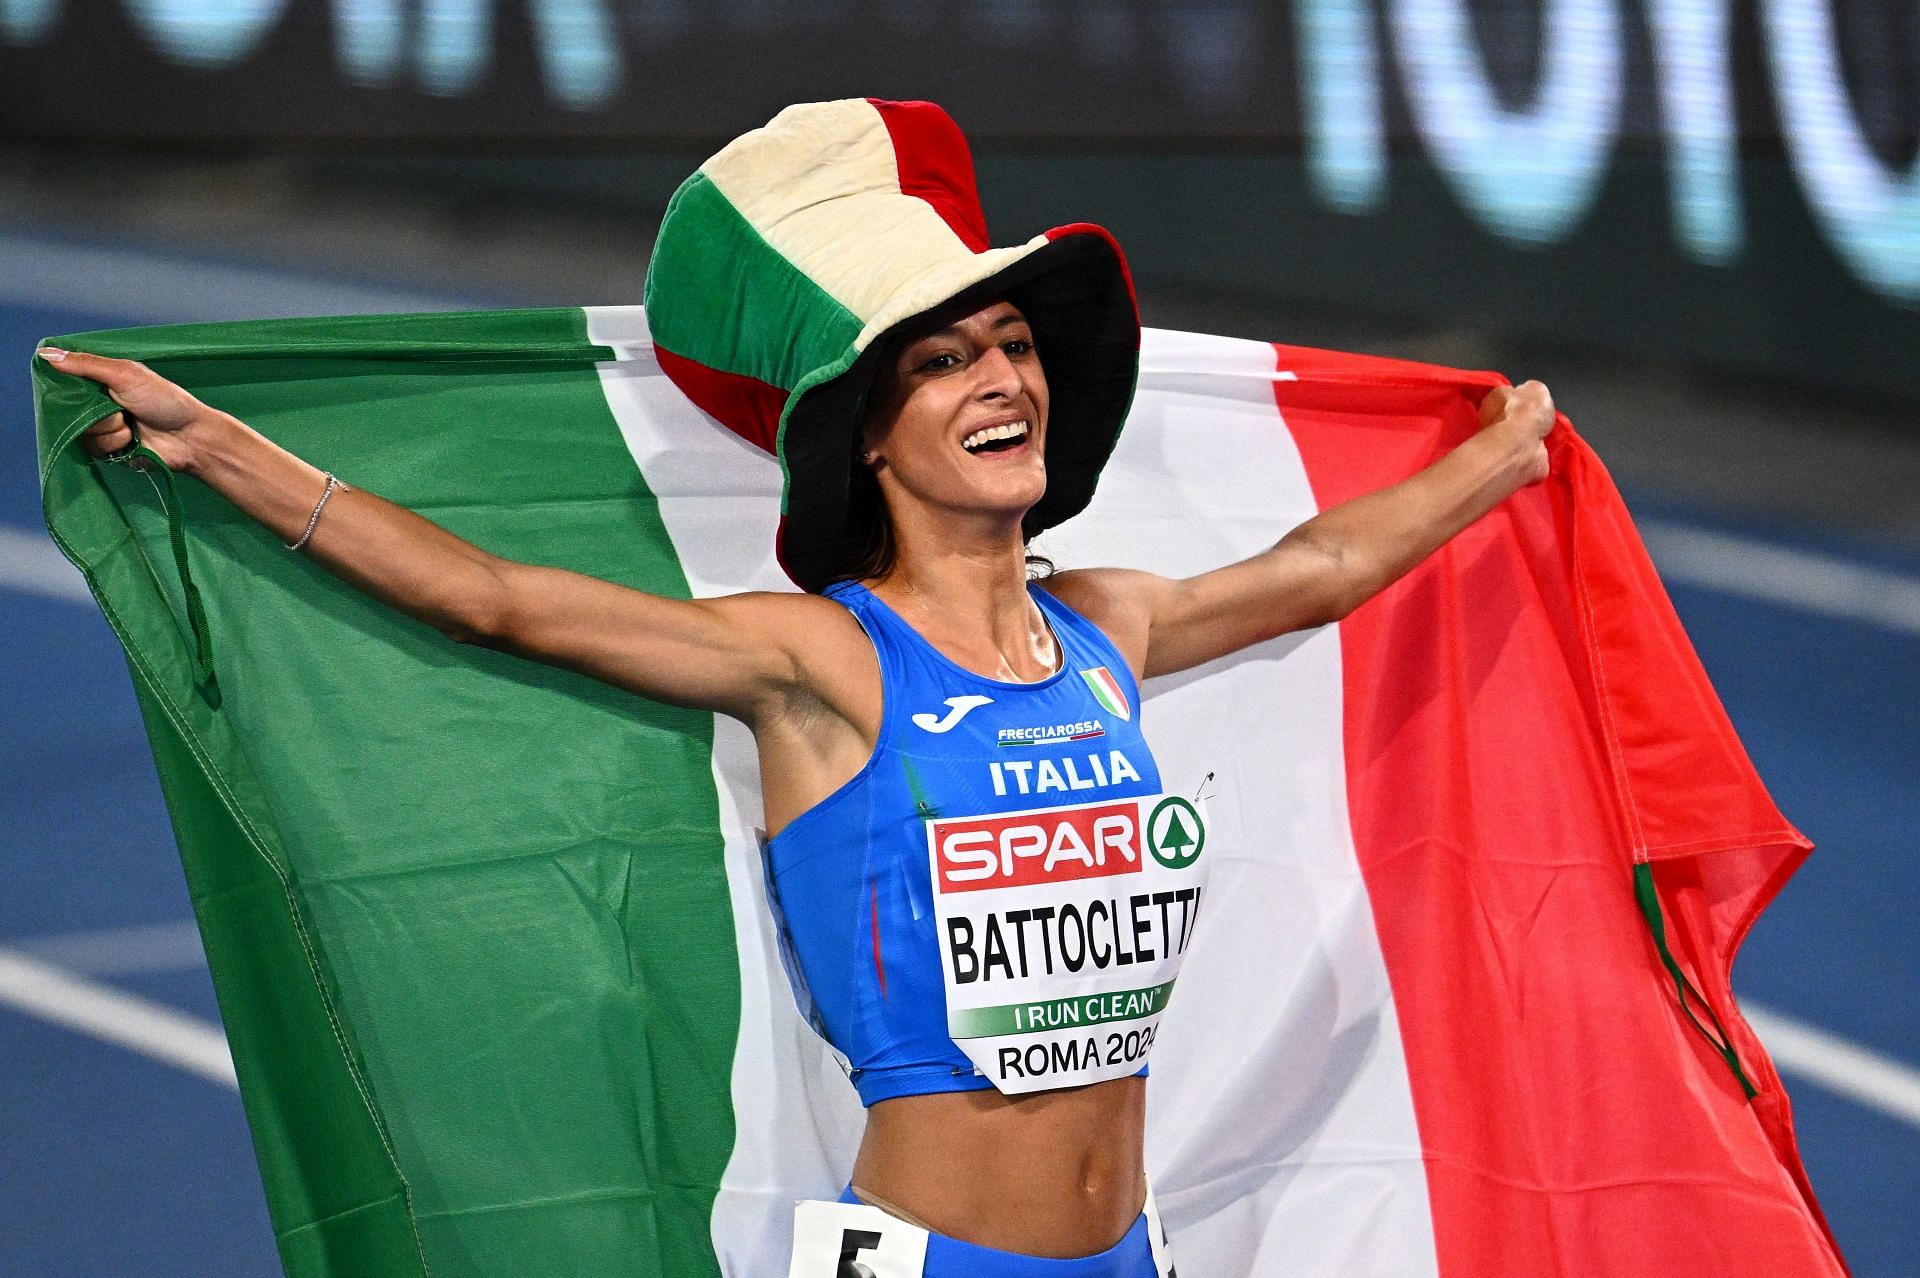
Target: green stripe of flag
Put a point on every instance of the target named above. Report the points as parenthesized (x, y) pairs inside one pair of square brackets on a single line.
[(467, 915)]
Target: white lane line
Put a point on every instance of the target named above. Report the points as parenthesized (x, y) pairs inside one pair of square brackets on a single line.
[(151, 947), (30, 983), (32, 565), (75, 1003), (1845, 1069), (141, 288), (1781, 575)]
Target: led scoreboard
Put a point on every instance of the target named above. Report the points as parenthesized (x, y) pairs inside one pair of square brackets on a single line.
[(1733, 182)]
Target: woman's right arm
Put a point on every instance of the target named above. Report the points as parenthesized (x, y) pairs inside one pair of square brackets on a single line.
[(737, 654)]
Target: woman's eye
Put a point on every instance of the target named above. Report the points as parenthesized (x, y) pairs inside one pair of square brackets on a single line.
[(933, 363), (1018, 346)]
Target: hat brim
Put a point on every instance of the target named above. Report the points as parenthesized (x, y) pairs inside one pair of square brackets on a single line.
[(1078, 298)]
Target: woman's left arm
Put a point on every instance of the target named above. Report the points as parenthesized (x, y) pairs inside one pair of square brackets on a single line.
[(1331, 564)]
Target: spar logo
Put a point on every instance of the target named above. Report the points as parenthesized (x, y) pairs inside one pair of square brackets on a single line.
[(1054, 845), (1175, 833)]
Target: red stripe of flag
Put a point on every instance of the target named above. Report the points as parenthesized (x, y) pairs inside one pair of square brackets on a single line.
[(1572, 1120)]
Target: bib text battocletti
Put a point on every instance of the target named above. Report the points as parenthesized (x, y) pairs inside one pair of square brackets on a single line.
[(1003, 895)]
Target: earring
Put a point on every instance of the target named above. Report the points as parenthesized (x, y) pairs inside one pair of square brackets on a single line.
[(867, 457)]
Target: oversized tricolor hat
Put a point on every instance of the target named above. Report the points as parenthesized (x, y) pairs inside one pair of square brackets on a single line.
[(785, 261)]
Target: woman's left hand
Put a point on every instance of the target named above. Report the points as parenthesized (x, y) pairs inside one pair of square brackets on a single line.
[(1326, 567), (1520, 416)]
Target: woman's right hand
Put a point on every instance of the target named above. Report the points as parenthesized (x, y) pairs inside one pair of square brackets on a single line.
[(743, 655), (164, 413)]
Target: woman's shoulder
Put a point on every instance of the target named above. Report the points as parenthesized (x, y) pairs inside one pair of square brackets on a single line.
[(780, 607), (817, 629), (831, 660), (1113, 599), (788, 613), (1104, 596)]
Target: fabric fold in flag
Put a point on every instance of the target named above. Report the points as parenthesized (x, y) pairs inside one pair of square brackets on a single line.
[(491, 939)]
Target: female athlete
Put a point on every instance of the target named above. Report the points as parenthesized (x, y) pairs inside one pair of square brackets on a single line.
[(877, 697)]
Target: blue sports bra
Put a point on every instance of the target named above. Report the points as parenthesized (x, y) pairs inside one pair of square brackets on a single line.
[(1002, 896)]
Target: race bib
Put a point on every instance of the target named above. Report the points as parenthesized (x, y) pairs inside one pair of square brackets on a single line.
[(1061, 932), (854, 1240)]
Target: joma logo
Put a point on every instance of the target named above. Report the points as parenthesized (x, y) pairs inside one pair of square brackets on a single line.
[(957, 708)]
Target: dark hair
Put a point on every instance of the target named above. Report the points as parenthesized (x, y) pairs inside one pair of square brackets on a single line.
[(870, 546)]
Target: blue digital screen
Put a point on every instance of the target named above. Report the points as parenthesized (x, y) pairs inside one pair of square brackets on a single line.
[(1525, 110)]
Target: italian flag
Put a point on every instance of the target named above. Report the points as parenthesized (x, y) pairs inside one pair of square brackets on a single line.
[(491, 942)]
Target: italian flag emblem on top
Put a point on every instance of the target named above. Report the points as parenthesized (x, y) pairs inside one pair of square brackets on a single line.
[(1106, 690)]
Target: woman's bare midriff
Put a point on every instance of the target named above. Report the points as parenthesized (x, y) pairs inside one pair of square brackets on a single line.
[(1056, 1174)]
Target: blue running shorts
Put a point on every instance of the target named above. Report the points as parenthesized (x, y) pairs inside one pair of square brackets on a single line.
[(851, 1239)]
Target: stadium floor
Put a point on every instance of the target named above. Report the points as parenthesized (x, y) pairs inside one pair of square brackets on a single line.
[(120, 1162)]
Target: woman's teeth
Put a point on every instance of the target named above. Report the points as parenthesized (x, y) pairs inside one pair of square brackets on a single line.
[(980, 438)]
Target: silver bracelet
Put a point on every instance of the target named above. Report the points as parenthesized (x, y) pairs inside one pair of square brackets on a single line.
[(332, 484)]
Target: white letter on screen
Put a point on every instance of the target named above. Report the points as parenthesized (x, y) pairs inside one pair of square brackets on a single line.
[(1872, 216), (1529, 174)]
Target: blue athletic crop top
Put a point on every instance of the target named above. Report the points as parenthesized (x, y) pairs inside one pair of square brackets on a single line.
[(1002, 896)]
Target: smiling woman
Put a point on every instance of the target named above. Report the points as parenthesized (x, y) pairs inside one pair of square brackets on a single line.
[(788, 262), (924, 384), (939, 403), (949, 884)]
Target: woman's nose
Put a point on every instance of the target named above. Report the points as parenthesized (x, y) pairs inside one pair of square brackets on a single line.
[(995, 374)]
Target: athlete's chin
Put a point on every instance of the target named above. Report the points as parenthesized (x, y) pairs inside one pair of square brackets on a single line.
[(1011, 511), (1005, 497), (1015, 494)]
